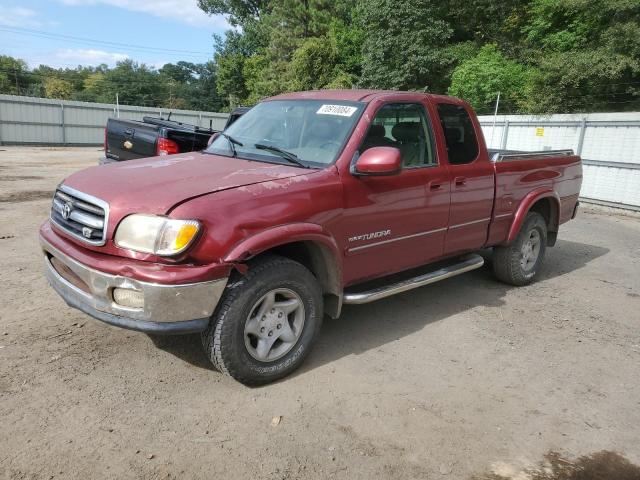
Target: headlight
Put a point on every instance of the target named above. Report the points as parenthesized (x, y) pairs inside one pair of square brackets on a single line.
[(158, 235)]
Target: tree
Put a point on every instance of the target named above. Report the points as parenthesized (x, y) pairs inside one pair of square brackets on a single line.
[(400, 54), (479, 79), (239, 11), (591, 59), (313, 64), (57, 88), (135, 84), (14, 76)]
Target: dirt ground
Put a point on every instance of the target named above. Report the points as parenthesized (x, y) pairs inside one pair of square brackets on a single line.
[(456, 380)]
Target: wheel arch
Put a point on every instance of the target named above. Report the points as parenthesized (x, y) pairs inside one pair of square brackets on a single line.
[(546, 203), (307, 244)]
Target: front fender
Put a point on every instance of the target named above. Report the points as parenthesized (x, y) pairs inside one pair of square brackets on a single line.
[(525, 205), (282, 235), (324, 255)]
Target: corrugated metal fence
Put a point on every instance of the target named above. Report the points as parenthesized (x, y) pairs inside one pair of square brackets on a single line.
[(608, 142), (28, 120)]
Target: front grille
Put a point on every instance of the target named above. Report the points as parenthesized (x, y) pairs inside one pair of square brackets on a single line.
[(80, 215)]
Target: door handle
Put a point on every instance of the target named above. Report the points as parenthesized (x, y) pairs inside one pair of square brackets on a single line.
[(436, 185), (460, 181)]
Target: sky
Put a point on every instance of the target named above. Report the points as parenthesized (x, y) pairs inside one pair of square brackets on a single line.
[(154, 32)]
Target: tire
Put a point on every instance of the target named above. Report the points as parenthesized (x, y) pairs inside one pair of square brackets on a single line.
[(274, 290), (519, 263)]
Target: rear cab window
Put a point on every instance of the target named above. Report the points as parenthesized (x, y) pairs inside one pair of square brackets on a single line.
[(459, 133)]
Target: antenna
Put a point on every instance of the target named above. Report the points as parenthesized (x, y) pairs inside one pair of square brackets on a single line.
[(169, 117)]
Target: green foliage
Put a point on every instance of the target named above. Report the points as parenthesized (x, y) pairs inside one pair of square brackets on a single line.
[(591, 58), (542, 55), (399, 54), (239, 11), (479, 79), (57, 88), (181, 85), (14, 76), (313, 64)]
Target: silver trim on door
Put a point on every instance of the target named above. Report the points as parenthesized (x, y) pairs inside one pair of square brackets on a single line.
[(460, 225), (407, 237)]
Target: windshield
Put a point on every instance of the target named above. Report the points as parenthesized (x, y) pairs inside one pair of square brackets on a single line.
[(314, 131)]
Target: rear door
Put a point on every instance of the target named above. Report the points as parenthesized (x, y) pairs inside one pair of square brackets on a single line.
[(471, 178)]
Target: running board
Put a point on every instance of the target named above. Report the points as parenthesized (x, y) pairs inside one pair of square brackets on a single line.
[(466, 264)]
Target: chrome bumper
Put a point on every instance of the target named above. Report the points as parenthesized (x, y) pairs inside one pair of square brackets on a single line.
[(168, 309)]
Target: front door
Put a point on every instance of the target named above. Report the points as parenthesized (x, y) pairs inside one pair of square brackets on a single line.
[(471, 177), (397, 222)]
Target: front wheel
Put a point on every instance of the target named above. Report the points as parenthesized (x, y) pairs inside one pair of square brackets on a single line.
[(519, 263), (266, 322)]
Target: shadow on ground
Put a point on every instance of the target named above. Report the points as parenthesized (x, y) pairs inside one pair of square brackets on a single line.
[(365, 327), (603, 465)]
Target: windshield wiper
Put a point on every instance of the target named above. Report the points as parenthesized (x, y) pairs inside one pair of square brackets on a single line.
[(291, 157), (232, 143)]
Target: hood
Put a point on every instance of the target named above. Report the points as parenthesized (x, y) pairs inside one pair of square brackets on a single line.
[(154, 185)]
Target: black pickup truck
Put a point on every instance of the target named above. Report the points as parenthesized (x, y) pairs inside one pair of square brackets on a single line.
[(153, 136)]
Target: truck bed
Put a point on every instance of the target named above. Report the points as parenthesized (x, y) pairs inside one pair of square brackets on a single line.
[(499, 155), (520, 175), (130, 139)]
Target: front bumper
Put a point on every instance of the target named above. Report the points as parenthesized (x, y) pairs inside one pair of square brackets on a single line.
[(168, 309)]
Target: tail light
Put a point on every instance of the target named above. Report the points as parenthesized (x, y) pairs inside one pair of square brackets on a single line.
[(166, 147)]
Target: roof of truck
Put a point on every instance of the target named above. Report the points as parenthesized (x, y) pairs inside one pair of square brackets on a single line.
[(348, 95)]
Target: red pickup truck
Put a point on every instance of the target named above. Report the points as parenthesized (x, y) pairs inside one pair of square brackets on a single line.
[(309, 201)]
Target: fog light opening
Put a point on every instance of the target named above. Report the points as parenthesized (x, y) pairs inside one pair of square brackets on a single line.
[(129, 298)]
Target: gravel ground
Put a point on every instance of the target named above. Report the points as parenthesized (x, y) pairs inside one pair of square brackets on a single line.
[(450, 381)]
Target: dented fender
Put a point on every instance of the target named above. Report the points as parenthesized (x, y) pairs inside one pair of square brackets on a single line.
[(282, 235)]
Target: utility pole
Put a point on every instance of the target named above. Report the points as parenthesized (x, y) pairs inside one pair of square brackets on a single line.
[(495, 118)]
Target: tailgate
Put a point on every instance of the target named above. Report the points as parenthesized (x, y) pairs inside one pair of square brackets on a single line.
[(128, 139)]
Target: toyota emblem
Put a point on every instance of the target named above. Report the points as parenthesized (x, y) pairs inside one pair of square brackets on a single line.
[(66, 210)]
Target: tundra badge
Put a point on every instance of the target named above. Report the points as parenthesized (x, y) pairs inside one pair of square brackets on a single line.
[(371, 236)]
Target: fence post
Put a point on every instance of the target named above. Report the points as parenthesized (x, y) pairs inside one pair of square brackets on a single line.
[(0, 122), (62, 124), (583, 128), (505, 135)]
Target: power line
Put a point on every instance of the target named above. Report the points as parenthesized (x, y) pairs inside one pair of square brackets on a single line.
[(83, 40), (61, 74)]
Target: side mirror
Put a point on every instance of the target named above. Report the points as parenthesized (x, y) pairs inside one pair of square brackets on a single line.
[(378, 161), (212, 138)]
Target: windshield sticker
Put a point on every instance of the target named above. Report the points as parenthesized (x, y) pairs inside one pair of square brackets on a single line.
[(340, 110)]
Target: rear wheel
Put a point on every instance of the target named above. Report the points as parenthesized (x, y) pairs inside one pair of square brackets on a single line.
[(266, 322), (519, 263)]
